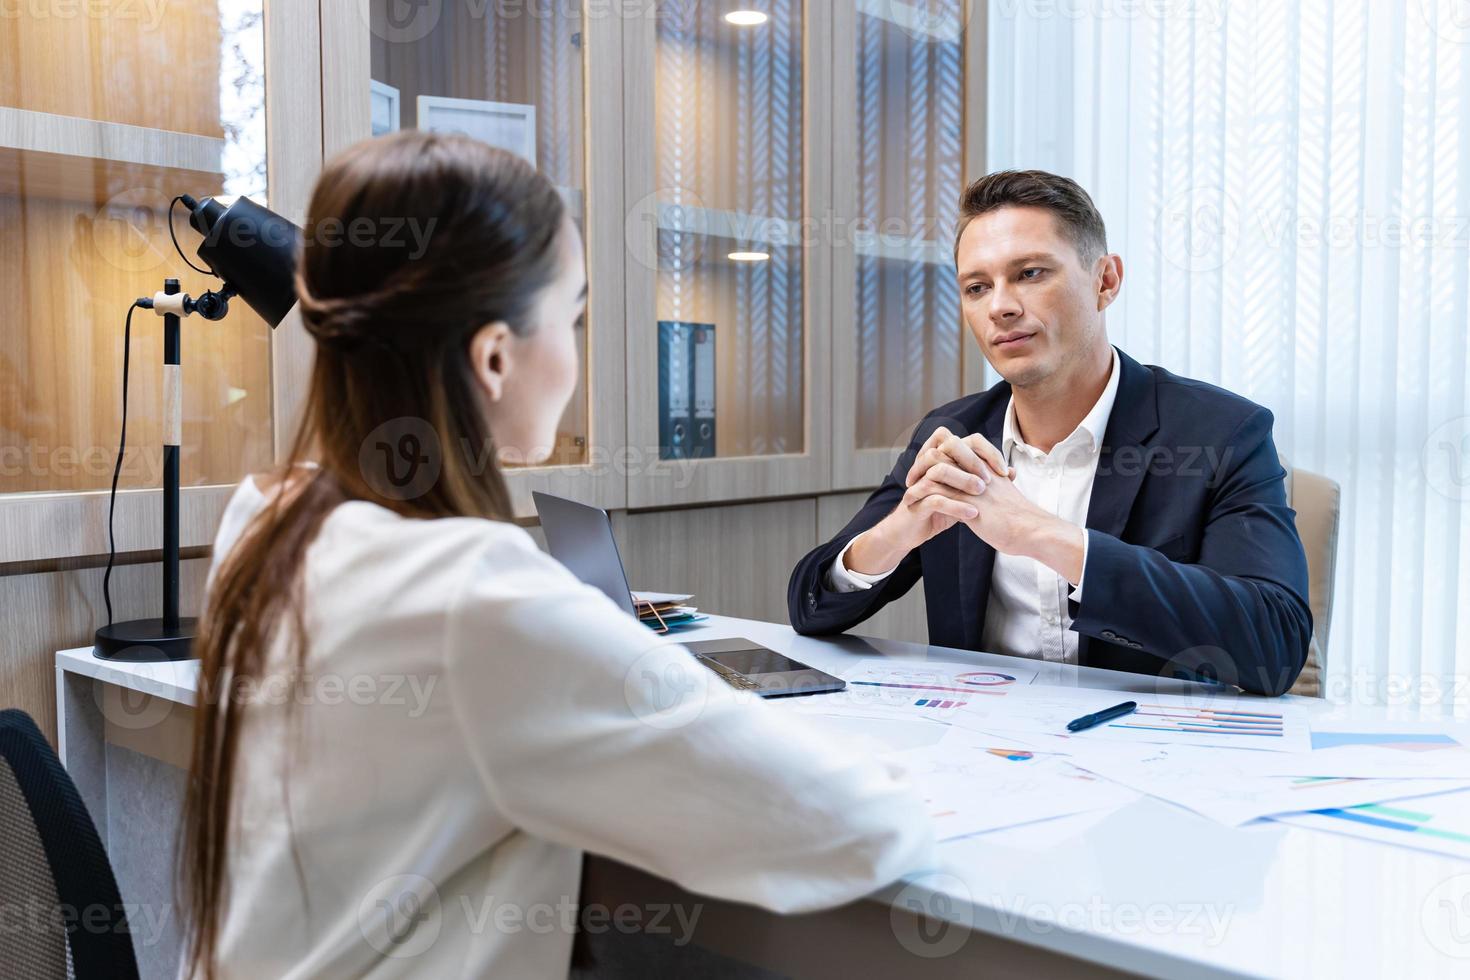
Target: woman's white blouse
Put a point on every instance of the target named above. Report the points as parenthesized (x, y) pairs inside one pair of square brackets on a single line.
[(470, 720)]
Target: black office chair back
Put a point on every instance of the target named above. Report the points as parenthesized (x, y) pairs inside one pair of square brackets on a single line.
[(64, 917)]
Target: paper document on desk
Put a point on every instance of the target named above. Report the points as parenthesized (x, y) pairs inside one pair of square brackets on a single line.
[(1389, 749), (971, 786), (1234, 786), (936, 690), (1214, 720), (662, 598), (1438, 823), (878, 736)]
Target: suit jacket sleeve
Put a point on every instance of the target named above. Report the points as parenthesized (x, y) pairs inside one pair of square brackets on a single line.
[(1239, 614), (816, 609)]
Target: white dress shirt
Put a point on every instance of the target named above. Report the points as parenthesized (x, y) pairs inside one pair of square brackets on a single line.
[(472, 718), (1027, 611)]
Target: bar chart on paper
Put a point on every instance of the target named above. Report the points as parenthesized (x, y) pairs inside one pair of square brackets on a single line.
[(1395, 741), (1439, 823), (939, 704), (1172, 720), (1228, 724), (1204, 721), (1230, 786)]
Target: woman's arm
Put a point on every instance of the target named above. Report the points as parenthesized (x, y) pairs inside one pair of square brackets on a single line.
[(592, 732)]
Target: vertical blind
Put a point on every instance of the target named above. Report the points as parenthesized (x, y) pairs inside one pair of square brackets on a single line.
[(1289, 187)]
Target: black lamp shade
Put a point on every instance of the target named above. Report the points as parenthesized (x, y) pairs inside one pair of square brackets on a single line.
[(253, 250)]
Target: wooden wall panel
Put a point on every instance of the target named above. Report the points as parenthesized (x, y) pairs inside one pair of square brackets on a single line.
[(736, 560), (50, 611), (125, 63), (346, 60), (294, 159)]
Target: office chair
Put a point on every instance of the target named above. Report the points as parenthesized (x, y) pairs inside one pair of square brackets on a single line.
[(1317, 501), (65, 916)]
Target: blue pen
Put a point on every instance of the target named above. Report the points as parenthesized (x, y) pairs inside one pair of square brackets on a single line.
[(1097, 718)]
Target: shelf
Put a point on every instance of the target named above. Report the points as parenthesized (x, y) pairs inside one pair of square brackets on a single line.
[(69, 158), (752, 230), (929, 253)]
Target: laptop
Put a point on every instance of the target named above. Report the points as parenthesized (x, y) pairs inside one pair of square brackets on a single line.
[(581, 538)]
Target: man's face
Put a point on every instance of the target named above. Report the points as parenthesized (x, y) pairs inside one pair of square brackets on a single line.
[(1031, 303)]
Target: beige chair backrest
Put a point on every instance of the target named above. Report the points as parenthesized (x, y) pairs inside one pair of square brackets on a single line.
[(1318, 504)]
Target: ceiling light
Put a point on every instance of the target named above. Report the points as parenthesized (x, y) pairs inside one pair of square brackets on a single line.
[(746, 18)]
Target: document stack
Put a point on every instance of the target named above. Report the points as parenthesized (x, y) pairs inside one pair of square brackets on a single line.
[(665, 612)]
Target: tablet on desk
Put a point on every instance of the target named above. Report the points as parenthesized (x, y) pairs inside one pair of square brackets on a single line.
[(751, 667)]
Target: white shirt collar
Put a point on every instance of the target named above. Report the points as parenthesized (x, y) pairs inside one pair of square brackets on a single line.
[(1092, 427)]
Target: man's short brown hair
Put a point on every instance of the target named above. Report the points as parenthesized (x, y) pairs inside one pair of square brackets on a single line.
[(1062, 196)]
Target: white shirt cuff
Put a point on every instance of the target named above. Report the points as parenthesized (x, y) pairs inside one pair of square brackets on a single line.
[(1076, 594), (840, 578)]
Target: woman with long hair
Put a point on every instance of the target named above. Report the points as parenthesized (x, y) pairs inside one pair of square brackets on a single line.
[(411, 719)]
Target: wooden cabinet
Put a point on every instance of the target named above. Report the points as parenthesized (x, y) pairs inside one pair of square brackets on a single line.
[(103, 120), (768, 208), (908, 134), (728, 308), (547, 73)]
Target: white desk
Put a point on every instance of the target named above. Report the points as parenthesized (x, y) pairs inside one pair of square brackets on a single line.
[(1148, 889)]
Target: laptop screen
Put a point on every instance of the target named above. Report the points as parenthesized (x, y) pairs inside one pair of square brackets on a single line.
[(581, 538)]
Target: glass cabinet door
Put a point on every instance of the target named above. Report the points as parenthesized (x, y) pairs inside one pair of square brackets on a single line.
[(515, 81), (538, 78), (901, 165), (721, 274), (103, 121)]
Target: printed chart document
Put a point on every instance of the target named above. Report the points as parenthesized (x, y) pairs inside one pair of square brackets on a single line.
[(1227, 785), (934, 690), (1369, 749), (1214, 720), (1358, 750), (1429, 823), (972, 784)]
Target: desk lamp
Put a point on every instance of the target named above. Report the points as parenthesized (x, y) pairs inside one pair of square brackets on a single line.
[(253, 252)]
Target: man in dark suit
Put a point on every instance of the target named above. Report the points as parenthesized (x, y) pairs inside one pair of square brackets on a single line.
[(1087, 509)]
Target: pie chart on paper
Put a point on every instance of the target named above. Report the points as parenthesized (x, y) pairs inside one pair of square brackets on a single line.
[(984, 678)]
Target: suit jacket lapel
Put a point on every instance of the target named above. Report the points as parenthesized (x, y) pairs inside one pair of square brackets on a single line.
[(1123, 461), (976, 558), (1125, 452)]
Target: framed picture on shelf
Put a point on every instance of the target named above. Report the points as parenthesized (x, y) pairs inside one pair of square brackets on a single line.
[(508, 125), (386, 108)]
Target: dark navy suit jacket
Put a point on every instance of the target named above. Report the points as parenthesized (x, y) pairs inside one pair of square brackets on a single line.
[(1194, 566)]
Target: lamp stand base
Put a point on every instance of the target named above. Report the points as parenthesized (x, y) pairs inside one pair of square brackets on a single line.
[(145, 641)]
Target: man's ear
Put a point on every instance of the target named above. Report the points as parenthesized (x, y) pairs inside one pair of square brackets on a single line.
[(490, 358), (1109, 280)]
